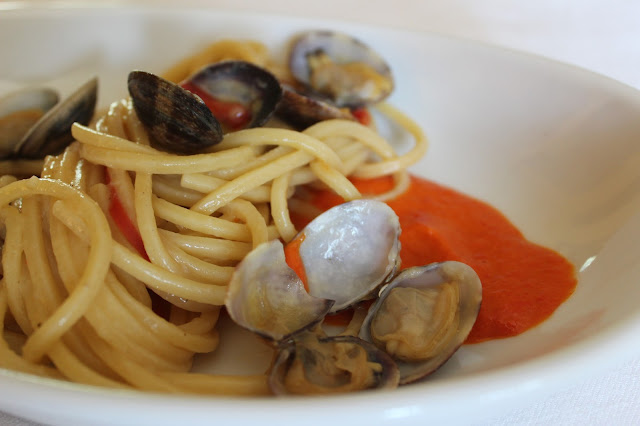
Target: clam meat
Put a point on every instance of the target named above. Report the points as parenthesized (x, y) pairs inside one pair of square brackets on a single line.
[(424, 315), (316, 364), (340, 68)]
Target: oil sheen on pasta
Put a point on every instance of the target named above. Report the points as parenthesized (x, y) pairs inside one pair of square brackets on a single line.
[(522, 282)]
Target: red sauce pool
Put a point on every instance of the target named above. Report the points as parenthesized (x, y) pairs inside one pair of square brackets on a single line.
[(522, 283)]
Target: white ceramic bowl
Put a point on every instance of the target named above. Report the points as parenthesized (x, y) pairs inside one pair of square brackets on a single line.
[(554, 147)]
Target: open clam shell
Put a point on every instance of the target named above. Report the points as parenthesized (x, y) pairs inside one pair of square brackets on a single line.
[(51, 134), (341, 68), (423, 316), (19, 112), (320, 365), (302, 111), (350, 250), (40, 98), (266, 296), (239, 94)]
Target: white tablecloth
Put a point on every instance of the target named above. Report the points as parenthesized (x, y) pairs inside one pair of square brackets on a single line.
[(601, 35)]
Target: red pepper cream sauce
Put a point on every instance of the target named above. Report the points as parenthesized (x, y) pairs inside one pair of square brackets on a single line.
[(522, 282)]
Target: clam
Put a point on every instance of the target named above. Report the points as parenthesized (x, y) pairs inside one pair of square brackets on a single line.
[(239, 94), (346, 253), (38, 98), (316, 364), (340, 68), (266, 296), (349, 251), (194, 115), (176, 120), (20, 111), (302, 111), (423, 316), (420, 318), (50, 132)]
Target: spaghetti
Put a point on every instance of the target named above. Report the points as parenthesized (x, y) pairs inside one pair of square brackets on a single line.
[(116, 259)]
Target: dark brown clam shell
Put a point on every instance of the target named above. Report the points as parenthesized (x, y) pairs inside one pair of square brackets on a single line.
[(177, 121), (240, 82), (301, 111)]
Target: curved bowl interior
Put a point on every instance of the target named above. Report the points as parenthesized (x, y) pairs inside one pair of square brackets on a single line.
[(555, 148)]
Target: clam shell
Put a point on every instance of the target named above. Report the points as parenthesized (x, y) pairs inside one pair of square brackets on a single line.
[(41, 98), (266, 296), (341, 49), (19, 112), (177, 121), (350, 250), (302, 111), (52, 133), (249, 85), (386, 377), (426, 277)]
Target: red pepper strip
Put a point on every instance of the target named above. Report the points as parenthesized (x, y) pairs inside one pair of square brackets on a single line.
[(362, 115), (232, 115), (122, 220), (292, 256)]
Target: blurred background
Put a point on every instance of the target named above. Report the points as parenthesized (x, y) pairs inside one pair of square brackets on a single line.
[(601, 35)]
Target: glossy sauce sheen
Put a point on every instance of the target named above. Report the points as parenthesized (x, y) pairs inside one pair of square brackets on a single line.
[(522, 283)]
